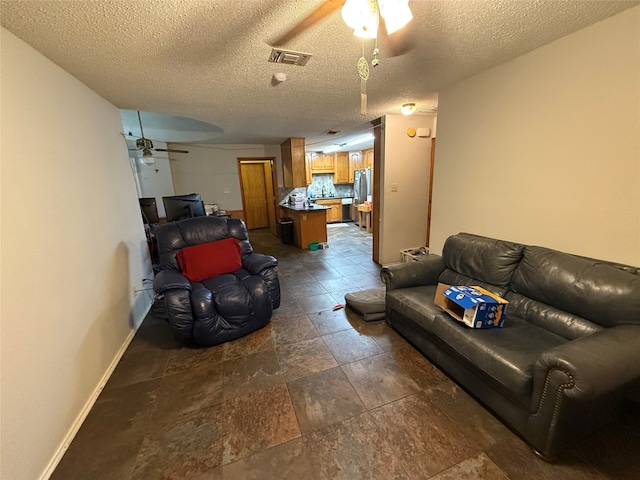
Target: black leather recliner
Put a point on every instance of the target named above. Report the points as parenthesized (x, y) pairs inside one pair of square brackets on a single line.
[(222, 308)]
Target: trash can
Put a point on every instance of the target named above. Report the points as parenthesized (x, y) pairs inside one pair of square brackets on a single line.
[(286, 230)]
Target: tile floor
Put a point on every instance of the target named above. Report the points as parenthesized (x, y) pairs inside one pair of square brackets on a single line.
[(316, 394)]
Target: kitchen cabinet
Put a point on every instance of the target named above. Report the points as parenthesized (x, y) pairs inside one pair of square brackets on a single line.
[(293, 166), (342, 168), (308, 225), (307, 168), (367, 158), (322, 162), (334, 214), (355, 163)]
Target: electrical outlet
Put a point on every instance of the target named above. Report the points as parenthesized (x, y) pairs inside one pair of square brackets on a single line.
[(135, 291), (394, 187), (226, 190)]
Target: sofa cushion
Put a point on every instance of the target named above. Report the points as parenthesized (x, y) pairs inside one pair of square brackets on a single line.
[(415, 303), (506, 355), (591, 289), (553, 319), (450, 277), (485, 259), (210, 259)]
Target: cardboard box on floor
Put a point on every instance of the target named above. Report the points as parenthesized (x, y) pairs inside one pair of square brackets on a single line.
[(474, 306)]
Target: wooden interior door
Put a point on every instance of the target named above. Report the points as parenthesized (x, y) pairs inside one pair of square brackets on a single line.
[(254, 193)]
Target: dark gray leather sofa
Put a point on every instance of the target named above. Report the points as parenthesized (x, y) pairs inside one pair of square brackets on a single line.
[(569, 350)]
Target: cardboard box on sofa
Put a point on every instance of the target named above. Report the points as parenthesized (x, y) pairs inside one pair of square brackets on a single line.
[(474, 306)]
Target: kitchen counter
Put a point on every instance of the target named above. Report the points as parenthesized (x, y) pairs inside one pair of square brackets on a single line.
[(305, 209), (309, 224)]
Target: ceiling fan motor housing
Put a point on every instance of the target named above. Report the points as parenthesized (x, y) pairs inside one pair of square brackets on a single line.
[(144, 143)]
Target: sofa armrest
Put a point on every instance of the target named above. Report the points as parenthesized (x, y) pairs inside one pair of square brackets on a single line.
[(413, 274), (592, 366), (170, 280), (256, 262)]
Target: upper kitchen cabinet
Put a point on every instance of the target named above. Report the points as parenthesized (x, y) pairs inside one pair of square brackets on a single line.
[(355, 163), (367, 158), (307, 168), (322, 162), (342, 168), (293, 166)]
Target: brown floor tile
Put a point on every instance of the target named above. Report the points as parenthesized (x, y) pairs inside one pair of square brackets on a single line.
[(306, 289), (317, 303), (182, 447), (517, 460), (189, 390), (352, 449), (479, 467), (422, 437), (257, 421), (286, 461), (115, 428), (421, 370), (330, 321), (323, 399), (139, 367), (250, 373), (304, 358), (348, 346), (379, 380), (186, 358), (292, 329), (255, 342), (338, 283), (382, 334), (476, 422)]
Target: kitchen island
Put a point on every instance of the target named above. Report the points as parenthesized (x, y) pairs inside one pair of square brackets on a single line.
[(309, 223)]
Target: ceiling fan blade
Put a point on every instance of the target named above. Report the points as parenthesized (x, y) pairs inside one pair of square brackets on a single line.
[(170, 150), (399, 42), (326, 8)]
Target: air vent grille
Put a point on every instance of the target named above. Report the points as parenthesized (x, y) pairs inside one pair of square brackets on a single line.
[(289, 57)]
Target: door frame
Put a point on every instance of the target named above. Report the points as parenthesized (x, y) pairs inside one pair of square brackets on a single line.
[(269, 162)]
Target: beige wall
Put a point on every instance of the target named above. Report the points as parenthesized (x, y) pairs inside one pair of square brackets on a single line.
[(545, 149), (208, 170), (73, 247), (405, 161)]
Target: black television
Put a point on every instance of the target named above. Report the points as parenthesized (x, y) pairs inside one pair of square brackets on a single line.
[(149, 210), (178, 207)]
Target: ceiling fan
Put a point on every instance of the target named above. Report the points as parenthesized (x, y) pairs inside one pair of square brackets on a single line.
[(364, 17), (144, 145)]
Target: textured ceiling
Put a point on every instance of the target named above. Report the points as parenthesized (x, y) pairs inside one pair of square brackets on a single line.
[(207, 59)]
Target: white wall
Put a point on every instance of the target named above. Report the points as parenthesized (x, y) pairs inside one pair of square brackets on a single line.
[(545, 149), (73, 247), (209, 170), (405, 162)]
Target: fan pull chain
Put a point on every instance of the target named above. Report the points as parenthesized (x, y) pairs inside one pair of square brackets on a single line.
[(363, 73)]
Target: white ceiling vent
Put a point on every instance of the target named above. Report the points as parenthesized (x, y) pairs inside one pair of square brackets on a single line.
[(289, 57)]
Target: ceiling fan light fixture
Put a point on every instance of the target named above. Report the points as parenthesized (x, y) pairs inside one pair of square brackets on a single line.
[(396, 14), (408, 109), (146, 157), (362, 17)]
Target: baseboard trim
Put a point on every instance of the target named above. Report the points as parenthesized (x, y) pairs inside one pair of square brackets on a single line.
[(75, 427)]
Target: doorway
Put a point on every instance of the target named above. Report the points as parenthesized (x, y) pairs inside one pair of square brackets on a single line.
[(258, 187)]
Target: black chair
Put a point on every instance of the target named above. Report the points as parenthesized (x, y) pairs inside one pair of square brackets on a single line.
[(221, 308)]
